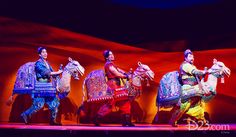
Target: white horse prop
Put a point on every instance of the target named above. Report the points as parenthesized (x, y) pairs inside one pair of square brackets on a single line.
[(96, 91), (170, 91), (26, 82)]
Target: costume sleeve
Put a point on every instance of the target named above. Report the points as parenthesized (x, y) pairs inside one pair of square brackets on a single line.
[(120, 70), (51, 69), (191, 69), (42, 70), (198, 72), (116, 72), (188, 68)]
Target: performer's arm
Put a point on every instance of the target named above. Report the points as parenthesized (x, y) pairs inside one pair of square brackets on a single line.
[(197, 72), (56, 72), (121, 71), (40, 68), (191, 69), (117, 72)]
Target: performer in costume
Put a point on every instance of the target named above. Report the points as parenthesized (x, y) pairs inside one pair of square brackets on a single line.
[(194, 105), (43, 75), (114, 75)]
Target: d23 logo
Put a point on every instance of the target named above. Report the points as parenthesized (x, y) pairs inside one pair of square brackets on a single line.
[(204, 125), (197, 125)]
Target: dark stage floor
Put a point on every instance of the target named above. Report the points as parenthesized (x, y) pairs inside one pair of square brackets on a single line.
[(147, 130)]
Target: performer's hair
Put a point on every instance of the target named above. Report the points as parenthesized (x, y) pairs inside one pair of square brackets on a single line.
[(106, 54), (186, 52), (40, 49)]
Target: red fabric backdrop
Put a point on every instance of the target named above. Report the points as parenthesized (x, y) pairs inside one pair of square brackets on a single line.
[(19, 41)]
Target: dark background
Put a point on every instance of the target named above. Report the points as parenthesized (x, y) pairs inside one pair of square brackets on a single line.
[(160, 25), (140, 23)]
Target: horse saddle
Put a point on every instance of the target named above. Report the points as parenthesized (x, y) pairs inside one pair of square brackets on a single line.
[(121, 93), (44, 89)]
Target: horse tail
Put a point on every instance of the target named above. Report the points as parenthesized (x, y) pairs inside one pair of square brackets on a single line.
[(24, 83), (83, 90), (158, 100), (10, 100), (169, 90)]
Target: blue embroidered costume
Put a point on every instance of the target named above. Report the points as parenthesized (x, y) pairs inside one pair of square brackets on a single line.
[(45, 93)]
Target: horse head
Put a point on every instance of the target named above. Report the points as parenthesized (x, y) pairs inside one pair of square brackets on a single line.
[(144, 72), (74, 68), (219, 69)]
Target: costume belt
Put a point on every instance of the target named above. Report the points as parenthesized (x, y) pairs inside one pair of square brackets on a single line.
[(43, 80), (192, 83)]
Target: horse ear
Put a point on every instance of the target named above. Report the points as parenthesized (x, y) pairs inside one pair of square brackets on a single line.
[(70, 59), (227, 71), (139, 63), (214, 61)]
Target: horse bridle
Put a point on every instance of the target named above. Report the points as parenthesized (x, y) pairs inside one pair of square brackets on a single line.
[(71, 73)]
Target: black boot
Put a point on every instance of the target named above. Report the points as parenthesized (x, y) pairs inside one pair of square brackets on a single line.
[(97, 120), (173, 123), (126, 120), (54, 123), (176, 115), (24, 117), (174, 119)]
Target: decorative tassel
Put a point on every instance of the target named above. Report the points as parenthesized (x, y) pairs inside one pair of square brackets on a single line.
[(148, 84), (222, 80), (10, 101)]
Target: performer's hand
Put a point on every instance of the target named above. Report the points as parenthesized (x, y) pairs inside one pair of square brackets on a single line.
[(10, 101), (209, 71), (61, 67), (59, 71), (56, 73), (205, 71), (126, 76)]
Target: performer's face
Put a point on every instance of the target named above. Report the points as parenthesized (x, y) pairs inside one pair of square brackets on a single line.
[(44, 54), (111, 56), (190, 58)]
